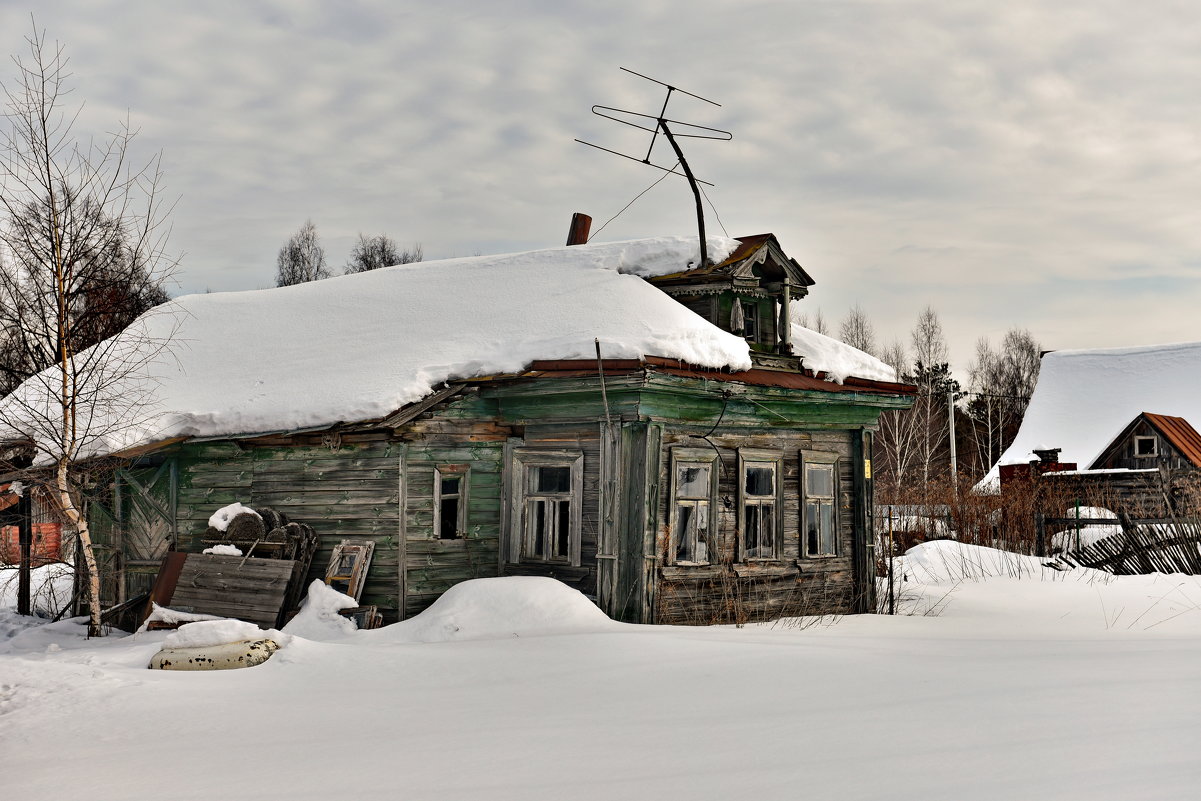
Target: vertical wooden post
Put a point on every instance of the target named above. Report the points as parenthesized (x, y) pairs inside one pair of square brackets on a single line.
[(1040, 529), (784, 334), (25, 543)]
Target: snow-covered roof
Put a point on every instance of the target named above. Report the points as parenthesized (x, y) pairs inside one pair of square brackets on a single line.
[(359, 347), (1084, 398), (838, 360)]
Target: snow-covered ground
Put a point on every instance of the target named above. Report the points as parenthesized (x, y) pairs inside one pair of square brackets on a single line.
[(1029, 683)]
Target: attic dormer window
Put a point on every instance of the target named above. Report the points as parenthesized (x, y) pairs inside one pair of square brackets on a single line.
[(1146, 447), (750, 320)]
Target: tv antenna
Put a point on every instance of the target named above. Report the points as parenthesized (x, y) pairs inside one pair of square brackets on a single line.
[(661, 125)]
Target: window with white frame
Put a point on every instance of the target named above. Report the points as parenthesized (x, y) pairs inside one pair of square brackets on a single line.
[(820, 519), (546, 507), (759, 506), (1145, 447), (450, 502), (693, 488)]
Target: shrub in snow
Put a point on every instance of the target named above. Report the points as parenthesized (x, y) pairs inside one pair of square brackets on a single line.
[(50, 588)]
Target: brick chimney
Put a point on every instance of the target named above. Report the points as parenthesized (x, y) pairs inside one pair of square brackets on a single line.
[(580, 225)]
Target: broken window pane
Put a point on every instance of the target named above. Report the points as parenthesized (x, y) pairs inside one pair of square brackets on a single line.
[(760, 480), (448, 522), (552, 479), (692, 481)]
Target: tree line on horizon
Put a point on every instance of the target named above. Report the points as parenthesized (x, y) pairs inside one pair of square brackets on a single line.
[(913, 448), (302, 258)]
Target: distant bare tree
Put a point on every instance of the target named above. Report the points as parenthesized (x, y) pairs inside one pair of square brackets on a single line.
[(857, 331), (80, 225), (302, 258), (1002, 382), (371, 253), (816, 323)]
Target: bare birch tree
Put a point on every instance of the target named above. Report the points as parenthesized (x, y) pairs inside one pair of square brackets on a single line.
[(78, 219), (856, 330), (302, 258)]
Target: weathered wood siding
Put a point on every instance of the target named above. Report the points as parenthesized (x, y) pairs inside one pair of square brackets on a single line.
[(344, 490), (584, 438), (434, 565), (729, 590)]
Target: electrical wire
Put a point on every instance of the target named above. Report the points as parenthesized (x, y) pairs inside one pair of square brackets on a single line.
[(715, 214), (631, 203)]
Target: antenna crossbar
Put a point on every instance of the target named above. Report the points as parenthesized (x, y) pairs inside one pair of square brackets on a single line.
[(670, 87), (723, 136), (642, 161)]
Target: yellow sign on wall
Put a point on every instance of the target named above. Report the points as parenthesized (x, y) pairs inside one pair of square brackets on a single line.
[(867, 468)]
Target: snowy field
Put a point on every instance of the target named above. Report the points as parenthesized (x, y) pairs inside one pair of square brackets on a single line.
[(1027, 683)]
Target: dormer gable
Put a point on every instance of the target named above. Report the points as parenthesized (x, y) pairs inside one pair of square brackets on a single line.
[(749, 293)]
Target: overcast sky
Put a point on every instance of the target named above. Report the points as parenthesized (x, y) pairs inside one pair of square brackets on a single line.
[(1028, 164)]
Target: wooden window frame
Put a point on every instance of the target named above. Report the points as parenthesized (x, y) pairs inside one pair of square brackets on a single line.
[(524, 459), (751, 458), (818, 459), (752, 320), (461, 472), (700, 457), (1154, 446)]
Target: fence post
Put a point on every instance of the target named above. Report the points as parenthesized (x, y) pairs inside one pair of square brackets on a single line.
[(1040, 528)]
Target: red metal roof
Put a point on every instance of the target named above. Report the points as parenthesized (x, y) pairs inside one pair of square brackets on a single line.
[(1177, 431)]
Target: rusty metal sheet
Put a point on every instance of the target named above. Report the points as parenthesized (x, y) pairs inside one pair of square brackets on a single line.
[(1180, 433)]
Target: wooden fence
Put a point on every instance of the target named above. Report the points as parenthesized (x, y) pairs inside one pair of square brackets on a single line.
[(1145, 545)]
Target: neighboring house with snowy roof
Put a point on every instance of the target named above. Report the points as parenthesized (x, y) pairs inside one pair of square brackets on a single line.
[(1092, 405), (711, 463)]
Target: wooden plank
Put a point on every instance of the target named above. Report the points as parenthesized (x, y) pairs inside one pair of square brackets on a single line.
[(246, 588)]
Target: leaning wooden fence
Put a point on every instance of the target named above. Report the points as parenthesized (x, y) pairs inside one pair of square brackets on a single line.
[(1161, 545)]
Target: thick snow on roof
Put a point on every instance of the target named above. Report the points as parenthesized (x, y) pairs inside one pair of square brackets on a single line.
[(359, 347), (837, 359), (1084, 398)]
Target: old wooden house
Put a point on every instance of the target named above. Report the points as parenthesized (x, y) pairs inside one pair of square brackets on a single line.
[(658, 435)]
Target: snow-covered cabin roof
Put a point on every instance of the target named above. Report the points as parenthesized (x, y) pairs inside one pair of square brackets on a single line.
[(1084, 398), (359, 347)]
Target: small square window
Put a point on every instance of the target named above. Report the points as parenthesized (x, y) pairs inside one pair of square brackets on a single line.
[(1146, 446)]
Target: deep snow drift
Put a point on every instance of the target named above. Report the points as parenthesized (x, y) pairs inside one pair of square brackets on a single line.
[(1028, 684)]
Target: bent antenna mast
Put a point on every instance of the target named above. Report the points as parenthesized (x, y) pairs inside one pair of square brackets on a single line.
[(643, 121)]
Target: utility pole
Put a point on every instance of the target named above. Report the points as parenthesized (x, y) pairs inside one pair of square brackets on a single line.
[(954, 455)]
